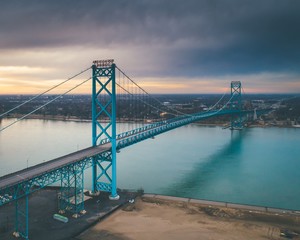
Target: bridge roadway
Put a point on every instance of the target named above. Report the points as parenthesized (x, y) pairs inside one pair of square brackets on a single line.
[(40, 169)]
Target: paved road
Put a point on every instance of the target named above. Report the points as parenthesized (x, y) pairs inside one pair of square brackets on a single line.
[(40, 169)]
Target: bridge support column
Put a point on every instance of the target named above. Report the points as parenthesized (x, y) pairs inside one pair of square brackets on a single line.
[(104, 126), (72, 195), (236, 104), (21, 224)]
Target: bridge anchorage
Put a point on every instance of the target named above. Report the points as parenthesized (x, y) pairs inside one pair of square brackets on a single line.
[(106, 142)]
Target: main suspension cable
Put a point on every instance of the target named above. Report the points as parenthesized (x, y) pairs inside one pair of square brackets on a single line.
[(148, 104), (211, 108), (41, 94), (181, 113), (229, 101), (47, 103)]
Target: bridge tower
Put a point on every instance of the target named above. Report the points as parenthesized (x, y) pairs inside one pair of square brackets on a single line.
[(236, 104), (104, 126)]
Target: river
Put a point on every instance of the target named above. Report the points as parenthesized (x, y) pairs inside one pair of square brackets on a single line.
[(258, 166)]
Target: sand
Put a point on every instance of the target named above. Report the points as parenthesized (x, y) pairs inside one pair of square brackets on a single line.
[(172, 220)]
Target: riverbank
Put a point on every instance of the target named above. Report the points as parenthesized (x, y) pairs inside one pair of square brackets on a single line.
[(170, 218), (78, 119), (51, 117)]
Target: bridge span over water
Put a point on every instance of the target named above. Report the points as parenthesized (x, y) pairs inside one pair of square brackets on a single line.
[(101, 156)]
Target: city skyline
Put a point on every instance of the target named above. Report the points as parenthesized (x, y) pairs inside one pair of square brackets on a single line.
[(165, 46)]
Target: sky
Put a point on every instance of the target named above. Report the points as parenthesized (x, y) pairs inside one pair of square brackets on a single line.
[(166, 46)]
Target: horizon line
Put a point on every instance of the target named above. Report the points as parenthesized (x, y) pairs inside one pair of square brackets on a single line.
[(250, 93)]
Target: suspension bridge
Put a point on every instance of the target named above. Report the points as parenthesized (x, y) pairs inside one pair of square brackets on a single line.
[(115, 98)]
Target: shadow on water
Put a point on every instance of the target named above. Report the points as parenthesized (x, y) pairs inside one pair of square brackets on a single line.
[(206, 171)]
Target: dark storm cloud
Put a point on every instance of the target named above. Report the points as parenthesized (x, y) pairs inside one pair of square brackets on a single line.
[(35, 23), (195, 36)]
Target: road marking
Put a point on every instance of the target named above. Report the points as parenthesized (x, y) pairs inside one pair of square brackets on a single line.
[(20, 177)]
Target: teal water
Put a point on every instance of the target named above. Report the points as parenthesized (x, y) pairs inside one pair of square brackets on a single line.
[(258, 166)]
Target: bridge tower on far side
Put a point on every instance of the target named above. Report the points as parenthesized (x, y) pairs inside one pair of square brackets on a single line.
[(236, 104), (104, 126)]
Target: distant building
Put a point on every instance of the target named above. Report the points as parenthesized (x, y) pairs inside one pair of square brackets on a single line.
[(258, 103)]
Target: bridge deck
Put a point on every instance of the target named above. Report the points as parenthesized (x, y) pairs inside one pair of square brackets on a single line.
[(40, 169)]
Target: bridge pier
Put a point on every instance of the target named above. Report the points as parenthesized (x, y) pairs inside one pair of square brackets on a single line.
[(72, 194), (21, 220)]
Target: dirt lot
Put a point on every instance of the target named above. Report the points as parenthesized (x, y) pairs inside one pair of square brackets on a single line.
[(161, 219)]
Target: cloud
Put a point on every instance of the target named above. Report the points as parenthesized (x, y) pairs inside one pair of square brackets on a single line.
[(202, 24), (168, 39), (251, 83)]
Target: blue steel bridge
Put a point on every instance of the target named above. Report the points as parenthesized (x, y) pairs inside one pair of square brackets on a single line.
[(112, 89)]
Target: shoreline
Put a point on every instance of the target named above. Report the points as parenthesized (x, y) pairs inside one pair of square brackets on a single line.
[(249, 207), (172, 218), (77, 119)]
